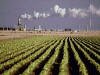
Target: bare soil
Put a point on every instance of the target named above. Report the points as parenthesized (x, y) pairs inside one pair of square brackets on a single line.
[(22, 34)]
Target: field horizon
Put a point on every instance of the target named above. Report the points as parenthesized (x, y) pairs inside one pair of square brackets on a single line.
[(23, 34)]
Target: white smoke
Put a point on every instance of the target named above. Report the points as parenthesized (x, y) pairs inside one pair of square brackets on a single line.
[(78, 12), (60, 11), (94, 10), (36, 14), (74, 12), (56, 8), (26, 16), (41, 15), (45, 15)]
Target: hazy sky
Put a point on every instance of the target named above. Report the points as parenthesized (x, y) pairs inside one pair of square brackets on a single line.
[(51, 14)]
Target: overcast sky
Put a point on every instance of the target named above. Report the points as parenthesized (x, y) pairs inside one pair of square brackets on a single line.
[(51, 14)]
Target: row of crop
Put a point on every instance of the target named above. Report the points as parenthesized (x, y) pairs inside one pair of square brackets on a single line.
[(89, 45), (29, 44), (90, 60), (14, 44), (27, 60), (20, 57), (81, 65), (36, 63), (23, 51), (64, 68), (95, 40), (91, 42), (15, 47), (7, 47), (89, 51), (47, 69)]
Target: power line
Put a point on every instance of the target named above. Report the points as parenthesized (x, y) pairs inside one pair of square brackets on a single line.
[(90, 15)]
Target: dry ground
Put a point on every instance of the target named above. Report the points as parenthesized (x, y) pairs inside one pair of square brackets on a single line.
[(21, 34)]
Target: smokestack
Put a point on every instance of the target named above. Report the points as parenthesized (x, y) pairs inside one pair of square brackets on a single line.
[(19, 21), (19, 26)]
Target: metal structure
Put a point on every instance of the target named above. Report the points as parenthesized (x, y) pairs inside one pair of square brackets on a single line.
[(90, 24), (20, 25)]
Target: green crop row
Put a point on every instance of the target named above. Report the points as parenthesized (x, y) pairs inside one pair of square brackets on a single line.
[(92, 52), (49, 65), (64, 68), (82, 68), (17, 66), (89, 45), (43, 55), (36, 63), (97, 66)]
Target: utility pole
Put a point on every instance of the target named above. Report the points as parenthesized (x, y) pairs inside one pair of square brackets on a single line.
[(87, 27), (90, 16)]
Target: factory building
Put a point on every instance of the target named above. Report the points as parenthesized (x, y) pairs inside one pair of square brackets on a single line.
[(20, 26)]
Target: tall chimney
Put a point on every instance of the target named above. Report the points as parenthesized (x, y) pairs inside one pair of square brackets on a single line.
[(19, 21)]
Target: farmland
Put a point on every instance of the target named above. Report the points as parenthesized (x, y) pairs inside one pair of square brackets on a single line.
[(50, 55)]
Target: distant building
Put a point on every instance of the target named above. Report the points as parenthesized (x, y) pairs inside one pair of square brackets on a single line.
[(4, 28), (39, 29), (25, 27), (67, 29), (20, 26), (76, 31)]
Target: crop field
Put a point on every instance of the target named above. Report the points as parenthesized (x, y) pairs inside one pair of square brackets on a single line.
[(50, 55)]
